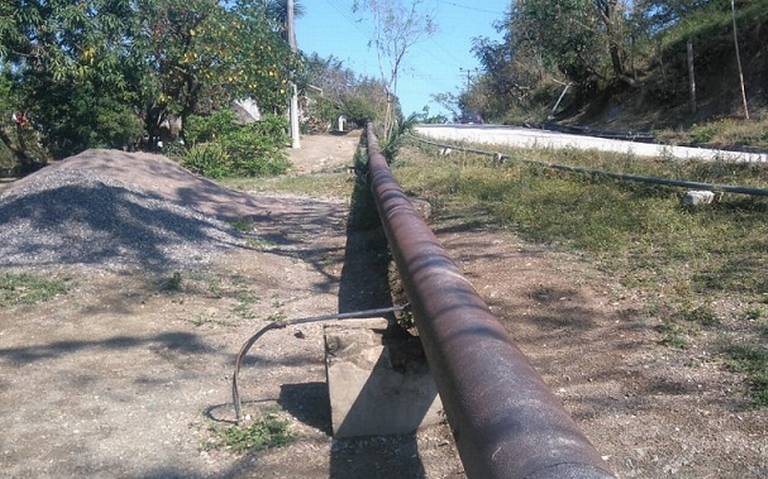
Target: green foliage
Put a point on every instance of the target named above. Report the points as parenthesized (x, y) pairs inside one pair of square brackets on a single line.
[(205, 128), (673, 335), (755, 314), (254, 153), (752, 360), (172, 284), (209, 159), (626, 57), (28, 289), (116, 69), (266, 432), (358, 99), (254, 149), (703, 315), (638, 230)]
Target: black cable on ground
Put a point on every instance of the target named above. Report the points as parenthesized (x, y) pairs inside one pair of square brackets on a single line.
[(367, 313), (655, 180)]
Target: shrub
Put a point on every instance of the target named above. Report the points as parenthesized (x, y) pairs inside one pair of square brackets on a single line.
[(253, 153), (209, 159), (203, 129), (220, 147)]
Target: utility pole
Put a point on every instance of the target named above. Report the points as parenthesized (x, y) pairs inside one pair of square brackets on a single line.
[(294, 110), (469, 75)]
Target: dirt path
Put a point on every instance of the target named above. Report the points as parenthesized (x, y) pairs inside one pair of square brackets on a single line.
[(122, 377), (325, 152)]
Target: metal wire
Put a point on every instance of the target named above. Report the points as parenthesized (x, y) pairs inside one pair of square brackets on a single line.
[(248, 344)]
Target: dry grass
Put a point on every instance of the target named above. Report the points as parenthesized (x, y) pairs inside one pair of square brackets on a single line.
[(688, 259)]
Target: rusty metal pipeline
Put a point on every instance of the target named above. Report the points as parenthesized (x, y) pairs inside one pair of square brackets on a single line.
[(505, 420)]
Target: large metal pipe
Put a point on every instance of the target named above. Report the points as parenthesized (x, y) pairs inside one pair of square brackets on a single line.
[(505, 420)]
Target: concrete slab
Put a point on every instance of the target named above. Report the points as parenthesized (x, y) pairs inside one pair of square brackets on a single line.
[(378, 383)]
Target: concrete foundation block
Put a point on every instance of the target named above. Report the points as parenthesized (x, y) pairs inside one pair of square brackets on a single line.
[(698, 198), (378, 383)]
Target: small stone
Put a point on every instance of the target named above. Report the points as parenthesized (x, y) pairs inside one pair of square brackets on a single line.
[(698, 198)]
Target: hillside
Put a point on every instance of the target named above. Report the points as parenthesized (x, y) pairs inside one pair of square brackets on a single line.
[(626, 67), (661, 97)]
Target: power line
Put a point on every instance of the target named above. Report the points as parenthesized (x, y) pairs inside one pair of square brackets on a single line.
[(347, 18), (476, 9)]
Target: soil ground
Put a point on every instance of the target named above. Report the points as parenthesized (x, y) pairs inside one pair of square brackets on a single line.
[(121, 378)]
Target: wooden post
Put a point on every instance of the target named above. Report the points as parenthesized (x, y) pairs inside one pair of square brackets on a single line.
[(738, 60), (691, 75), (294, 108)]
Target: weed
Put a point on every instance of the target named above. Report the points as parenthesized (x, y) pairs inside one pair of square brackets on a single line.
[(172, 284), (277, 302), (215, 288), (673, 335), (206, 318), (245, 300), (258, 243), (243, 225), (26, 288), (754, 314), (703, 315), (752, 360), (266, 432), (277, 316)]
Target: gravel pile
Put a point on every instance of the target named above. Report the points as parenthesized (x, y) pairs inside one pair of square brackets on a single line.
[(77, 212)]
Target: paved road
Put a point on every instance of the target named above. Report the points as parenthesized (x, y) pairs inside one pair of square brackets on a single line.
[(532, 138)]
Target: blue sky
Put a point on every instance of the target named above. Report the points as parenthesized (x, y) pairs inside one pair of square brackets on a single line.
[(432, 66)]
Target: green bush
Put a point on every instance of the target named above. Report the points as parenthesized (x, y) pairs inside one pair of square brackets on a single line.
[(203, 129), (359, 110), (209, 159), (221, 147)]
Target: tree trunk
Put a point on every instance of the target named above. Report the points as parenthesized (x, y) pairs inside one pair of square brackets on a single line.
[(19, 154), (691, 76), (738, 60), (618, 66)]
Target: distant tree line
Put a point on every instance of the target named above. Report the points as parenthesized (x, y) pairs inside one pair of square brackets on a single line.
[(333, 90)]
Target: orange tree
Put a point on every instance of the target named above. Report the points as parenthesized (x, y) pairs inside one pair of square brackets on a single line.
[(99, 72), (203, 55)]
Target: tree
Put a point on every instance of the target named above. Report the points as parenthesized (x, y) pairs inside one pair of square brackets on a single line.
[(89, 73), (337, 90), (68, 62), (197, 49), (397, 26)]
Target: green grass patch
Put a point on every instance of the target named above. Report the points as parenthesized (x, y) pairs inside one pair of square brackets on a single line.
[(243, 225), (752, 360), (267, 432), (723, 132), (337, 185), (27, 288), (673, 334), (258, 243), (640, 232)]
